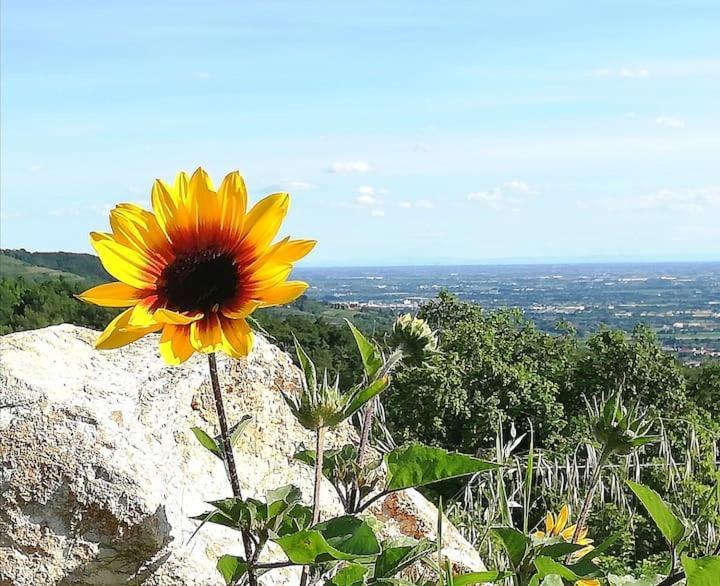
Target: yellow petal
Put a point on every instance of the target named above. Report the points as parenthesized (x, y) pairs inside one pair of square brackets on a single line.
[(237, 337), (263, 222), (202, 204), (141, 316), (206, 334), (167, 316), (241, 310), (113, 295), (139, 229), (267, 276), (539, 534), (561, 520), (123, 263), (171, 210), (588, 582), (232, 200), (549, 522), (289, 251), (119, 333), (175, 347), (568, 532), (283, 293)]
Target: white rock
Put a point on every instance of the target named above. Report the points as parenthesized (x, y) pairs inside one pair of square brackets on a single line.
[(100, 473)]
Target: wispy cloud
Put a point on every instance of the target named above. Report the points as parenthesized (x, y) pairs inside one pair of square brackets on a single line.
[(670, 122), (290, 185), (673, 200), (624, 71), (349, 167), (423, 204), (510, 195)]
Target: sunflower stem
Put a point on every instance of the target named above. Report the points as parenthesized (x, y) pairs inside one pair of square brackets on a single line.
[(229, 458), (319, 459), (604, 457)]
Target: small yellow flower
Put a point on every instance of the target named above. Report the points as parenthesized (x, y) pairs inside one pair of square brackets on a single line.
[(195, 267), (588, 582), (557, 527)]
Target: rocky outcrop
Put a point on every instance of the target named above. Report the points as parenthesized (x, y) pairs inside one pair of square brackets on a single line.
[(100, 473)]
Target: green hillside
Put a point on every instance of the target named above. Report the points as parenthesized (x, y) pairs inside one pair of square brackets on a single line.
[(11, 267), (38, 265)]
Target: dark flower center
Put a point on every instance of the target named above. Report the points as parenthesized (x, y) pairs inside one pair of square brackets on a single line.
[(199, 281)]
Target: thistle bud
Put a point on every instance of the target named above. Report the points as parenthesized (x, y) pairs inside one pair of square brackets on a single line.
[(414, 338)]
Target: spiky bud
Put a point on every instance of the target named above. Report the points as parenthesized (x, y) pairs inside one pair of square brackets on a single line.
[(414, 338), (618, 429)]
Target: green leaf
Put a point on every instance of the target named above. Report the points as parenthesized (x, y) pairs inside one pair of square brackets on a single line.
[(232, 568), (350, 575), (416, 465), (558, 550), (393, 560), (207, 442), (307, 366), (604, 546), (343, 538), (552, 580), (670, 526), (363, 395), (546, 566), (371, 356), (479, 577), (703, 571), (236, 430), (515, 542), (349, 534)]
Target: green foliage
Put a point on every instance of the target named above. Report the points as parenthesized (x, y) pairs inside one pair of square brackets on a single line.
[(26, 305), (702, 572), (666, 520), (417, 465)]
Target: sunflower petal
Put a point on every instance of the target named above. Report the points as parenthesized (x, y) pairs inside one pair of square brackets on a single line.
[(142, 315), (115, 294), (562, 519), (549, 522), (175, 346), (237, 337), (167, 316), (568, 532), (125, 264), (289, 251), (263, 222), (171, 211), (139, 229), (241, 310), (202, 204), (206, 334), (119, 333), (232, 200), (283, 293), (267, 276)]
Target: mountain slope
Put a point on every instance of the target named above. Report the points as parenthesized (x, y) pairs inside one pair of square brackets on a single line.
[(36, 266)]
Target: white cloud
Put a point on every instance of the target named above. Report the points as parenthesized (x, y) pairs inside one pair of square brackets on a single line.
[(367, 196), (675, 200), (624, 72), (290, 185), (670, 122), (510, 195), (349, 167), (424, 204)]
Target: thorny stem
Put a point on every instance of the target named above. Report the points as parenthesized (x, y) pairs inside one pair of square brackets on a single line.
[(229, 458), (604, 457)]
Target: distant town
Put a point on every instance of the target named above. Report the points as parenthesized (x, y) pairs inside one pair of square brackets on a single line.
[(680, 301)]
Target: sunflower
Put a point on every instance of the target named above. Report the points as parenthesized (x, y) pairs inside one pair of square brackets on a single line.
[(195, 267), (557, 526)]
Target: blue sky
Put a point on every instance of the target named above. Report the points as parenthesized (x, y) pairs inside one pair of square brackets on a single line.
[(407, 132)]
